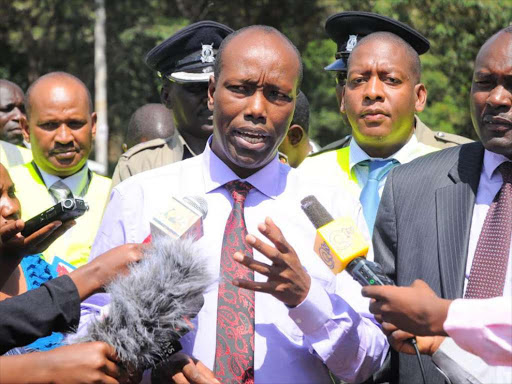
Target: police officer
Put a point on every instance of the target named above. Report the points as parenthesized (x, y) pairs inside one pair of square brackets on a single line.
[(381, 91), (185, 63), (345, 29)]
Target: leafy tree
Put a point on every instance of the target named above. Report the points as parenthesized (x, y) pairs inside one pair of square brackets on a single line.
[(39, 36)]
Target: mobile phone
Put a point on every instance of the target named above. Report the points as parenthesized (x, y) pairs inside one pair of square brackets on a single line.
[(64, 210)]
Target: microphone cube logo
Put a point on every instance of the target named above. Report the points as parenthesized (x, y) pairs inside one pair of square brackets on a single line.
[(339, 242)]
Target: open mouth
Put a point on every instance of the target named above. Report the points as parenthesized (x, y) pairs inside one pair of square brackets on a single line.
[(65, 155), (250, 137)]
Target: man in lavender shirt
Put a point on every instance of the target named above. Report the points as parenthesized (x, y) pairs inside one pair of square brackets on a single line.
[(431, 218), (310, 325)]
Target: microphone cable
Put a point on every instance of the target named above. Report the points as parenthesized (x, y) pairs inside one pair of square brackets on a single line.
[(418, 355)]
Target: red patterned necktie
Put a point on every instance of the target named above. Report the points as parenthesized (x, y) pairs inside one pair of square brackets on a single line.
[(489, 267), (234, 354)]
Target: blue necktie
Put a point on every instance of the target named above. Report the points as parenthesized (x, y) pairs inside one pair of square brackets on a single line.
[(369, 197)]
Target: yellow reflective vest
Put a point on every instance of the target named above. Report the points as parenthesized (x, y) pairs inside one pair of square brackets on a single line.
[(335, 165), (74, 246), (12, 155)]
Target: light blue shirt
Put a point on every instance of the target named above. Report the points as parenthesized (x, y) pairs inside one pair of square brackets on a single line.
[(331, 329), (410, 151)]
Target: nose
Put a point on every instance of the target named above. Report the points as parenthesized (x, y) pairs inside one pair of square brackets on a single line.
[(16, 114), (373, 89), (500, 96), (9, 209), (63, 134), (256, 109)]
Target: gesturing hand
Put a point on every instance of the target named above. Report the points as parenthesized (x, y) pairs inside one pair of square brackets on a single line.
[(287, 279), (13, 244), (414, 309)]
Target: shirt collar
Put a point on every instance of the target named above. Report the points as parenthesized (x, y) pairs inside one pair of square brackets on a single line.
[(76, 182), (492, 161), (357, 154), (216, 173)]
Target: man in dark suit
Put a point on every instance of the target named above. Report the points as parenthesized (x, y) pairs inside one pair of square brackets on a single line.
[(449, 197)]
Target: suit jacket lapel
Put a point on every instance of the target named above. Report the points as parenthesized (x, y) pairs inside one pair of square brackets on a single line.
[(454, 212)]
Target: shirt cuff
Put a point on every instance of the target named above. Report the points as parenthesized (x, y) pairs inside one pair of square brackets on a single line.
[(314, 311)]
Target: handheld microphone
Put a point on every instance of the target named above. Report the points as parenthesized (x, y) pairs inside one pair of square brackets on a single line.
[(341, 245), (151, 307), (183, 218)]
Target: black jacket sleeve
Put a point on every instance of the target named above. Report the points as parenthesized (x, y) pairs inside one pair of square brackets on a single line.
[(54, 307)]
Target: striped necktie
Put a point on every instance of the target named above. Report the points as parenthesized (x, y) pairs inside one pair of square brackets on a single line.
[(60, 191)]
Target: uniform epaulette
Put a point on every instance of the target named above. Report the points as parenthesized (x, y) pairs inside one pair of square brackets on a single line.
[(333, 146), (151, 144), (446, 137)]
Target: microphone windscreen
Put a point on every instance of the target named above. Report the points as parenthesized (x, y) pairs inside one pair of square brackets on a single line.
[(151, 307), (315, 211)]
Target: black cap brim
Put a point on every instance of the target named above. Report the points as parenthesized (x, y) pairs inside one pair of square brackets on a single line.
[(340, 26)]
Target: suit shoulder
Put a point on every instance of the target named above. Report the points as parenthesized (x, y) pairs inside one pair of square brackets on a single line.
[(435, 162)]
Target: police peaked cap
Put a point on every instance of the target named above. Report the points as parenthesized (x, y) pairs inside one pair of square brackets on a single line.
[(347, 28), (189, 54)]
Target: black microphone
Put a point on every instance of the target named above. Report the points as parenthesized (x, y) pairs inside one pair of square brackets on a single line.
[(151, 307), (341, 245)]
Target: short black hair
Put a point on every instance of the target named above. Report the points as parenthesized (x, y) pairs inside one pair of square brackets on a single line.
[(56, 74), (301, 114), (388, 36), (263, 28)]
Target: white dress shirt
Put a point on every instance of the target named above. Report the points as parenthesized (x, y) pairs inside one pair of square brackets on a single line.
[(331, 330)]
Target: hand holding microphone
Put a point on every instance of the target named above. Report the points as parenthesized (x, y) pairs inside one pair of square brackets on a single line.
[(151, 308), (341, 246), (414, 309)]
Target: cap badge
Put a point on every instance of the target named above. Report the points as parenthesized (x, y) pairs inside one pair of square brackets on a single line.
[(207, 53), (351, 43)]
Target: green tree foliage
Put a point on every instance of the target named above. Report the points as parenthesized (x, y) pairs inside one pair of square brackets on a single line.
[(39, 36)]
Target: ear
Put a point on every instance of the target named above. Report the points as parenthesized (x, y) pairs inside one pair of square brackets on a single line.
[(295, 134), (211, 91), (94, 118), (421, 97), (342, 99), (165, 94), (25, 128)]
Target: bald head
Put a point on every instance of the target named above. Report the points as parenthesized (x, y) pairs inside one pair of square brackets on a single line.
[(413, 59), (245, 33), (60, 125), (151, 121), (53, 78)]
